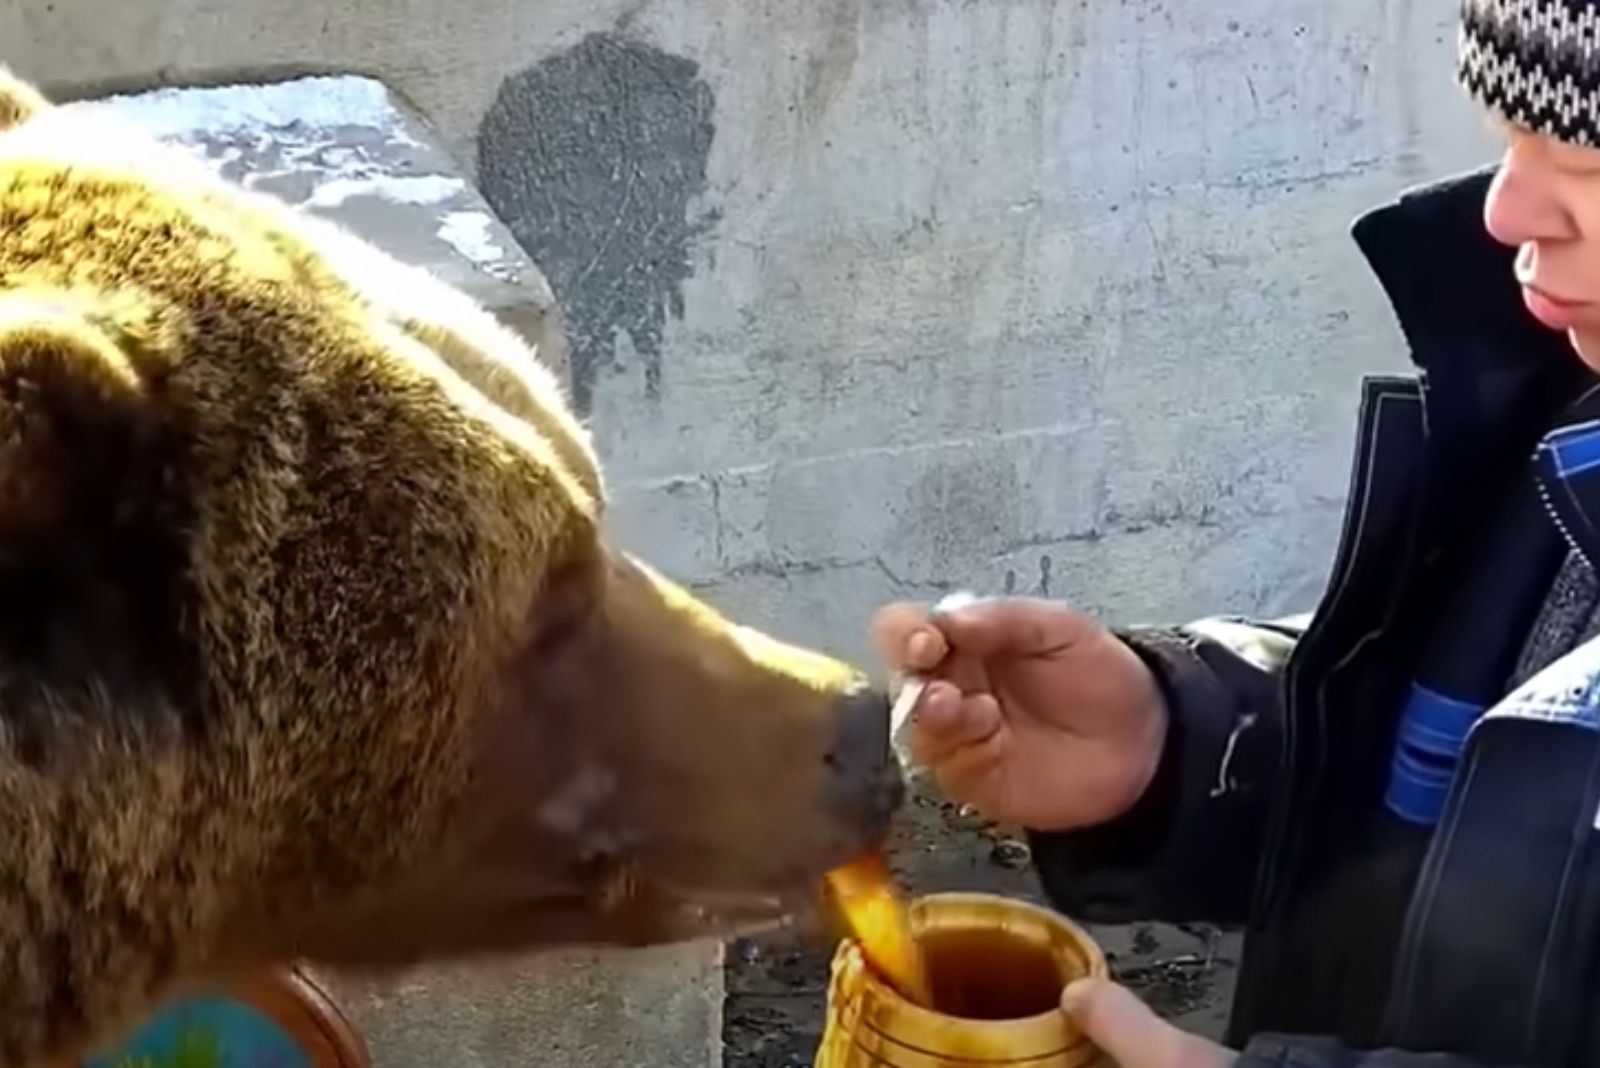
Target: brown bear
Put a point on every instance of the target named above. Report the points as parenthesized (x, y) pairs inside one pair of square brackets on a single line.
[(314, 647)]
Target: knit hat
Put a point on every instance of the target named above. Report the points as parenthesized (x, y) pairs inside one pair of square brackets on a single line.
[(1535, 63)]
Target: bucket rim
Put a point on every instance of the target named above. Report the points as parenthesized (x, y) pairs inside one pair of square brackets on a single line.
[(1045, 1034)]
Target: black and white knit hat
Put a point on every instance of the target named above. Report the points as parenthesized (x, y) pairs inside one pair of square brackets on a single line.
[(1535, 63)]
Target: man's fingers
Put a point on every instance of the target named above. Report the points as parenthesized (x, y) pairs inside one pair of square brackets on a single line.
[(905, 640), (912, 637), (1013, 626), (1121, 1025), (944, 722), (1127, 1031), (972, 769)]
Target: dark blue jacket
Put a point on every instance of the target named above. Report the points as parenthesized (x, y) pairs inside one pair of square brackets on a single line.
[(1282, 732)]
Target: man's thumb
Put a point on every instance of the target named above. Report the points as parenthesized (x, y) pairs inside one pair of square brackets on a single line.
[(1122, 1026)]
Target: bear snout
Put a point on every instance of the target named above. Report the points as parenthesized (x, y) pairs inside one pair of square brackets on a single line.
[(864, 787)]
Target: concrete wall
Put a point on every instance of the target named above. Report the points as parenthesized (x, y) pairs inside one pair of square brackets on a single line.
[(872, 298)]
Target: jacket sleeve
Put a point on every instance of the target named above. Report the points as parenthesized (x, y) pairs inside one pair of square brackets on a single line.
[(1297, 1051), (1189, 849)]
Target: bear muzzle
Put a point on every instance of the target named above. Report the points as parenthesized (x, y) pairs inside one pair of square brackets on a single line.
[(864, 788)]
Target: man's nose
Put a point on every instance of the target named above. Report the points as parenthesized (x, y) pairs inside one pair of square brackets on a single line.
[(1524, 203)]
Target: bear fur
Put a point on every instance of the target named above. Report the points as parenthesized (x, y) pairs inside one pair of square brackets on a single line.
[(314, 647)]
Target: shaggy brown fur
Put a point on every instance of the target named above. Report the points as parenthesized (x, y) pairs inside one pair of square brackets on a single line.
[(312, 644)]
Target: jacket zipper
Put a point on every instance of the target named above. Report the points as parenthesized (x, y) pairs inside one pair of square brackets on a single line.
[(1550, 508)]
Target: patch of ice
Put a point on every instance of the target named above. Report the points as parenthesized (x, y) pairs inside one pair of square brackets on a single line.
[(471, 234), (417, 189)]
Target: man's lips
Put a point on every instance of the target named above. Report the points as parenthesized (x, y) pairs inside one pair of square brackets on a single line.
[(1555, 312)]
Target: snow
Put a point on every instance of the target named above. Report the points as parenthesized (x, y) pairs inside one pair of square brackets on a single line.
[(318, 103)]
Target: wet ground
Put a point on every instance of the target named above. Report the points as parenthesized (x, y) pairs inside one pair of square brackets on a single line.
[(777, 986)]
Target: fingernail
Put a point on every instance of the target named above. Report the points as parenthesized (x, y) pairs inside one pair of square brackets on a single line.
[(954, 602), (1076, 993)]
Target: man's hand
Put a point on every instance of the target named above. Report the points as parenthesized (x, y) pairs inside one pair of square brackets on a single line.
[(1037, 714), (1125, 1030)]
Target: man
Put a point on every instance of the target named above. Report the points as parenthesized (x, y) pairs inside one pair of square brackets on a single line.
[(1398, 797)]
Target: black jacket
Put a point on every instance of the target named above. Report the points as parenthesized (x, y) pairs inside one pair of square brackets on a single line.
[(1282, 731)]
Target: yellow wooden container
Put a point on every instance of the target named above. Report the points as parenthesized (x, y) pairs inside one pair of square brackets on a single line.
[(869, 1025)]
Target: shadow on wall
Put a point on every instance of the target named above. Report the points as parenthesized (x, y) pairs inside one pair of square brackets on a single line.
[(594, 158)]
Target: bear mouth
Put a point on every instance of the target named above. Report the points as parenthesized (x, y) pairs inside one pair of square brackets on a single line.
[(701, 912), (740, 909)]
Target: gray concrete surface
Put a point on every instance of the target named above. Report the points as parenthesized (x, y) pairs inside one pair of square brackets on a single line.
[(656, 1008), (345, 149), (1045, 297)]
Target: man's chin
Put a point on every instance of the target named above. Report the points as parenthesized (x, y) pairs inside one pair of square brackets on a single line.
[(1587, 345)]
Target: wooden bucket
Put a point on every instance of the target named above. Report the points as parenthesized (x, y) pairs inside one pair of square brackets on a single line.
[(869, 1025)]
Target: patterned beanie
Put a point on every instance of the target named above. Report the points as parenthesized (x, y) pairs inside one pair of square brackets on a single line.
[(1535, 63)]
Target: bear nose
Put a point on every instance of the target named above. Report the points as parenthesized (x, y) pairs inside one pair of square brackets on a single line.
[(865, 785)]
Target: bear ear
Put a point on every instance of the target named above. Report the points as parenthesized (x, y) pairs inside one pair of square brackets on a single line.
[(77, 415), (19, 101)]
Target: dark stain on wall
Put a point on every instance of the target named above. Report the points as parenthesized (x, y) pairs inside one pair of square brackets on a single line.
[(596, 160)]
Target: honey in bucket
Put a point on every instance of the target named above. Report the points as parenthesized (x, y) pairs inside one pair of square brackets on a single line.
[(989, 976)]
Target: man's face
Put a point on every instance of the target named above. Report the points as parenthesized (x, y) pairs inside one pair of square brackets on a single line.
[(1545, 202)]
